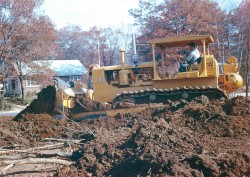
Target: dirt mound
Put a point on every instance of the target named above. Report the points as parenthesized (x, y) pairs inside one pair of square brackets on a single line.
[(45, 103), (30, 128), (237, 106), (158, 142), (36, 128), (199, 139), (211, 119)]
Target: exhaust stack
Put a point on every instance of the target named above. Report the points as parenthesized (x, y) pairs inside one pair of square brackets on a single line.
[(122, 56)]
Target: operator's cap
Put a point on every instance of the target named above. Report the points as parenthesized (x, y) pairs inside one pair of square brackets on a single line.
[(192, 44)]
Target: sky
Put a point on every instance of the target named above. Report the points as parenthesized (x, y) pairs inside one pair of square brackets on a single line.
[(100, 13), (89, 13)]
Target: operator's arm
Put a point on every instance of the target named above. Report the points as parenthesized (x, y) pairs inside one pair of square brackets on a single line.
[(190, 56), (193, 55)]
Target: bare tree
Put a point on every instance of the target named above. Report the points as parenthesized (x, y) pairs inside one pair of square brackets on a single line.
[(25, 36), (242, 20), (93, 45)]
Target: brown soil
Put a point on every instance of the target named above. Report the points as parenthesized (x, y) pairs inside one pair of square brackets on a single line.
[(87, 105), (45, 103), (199, 139)]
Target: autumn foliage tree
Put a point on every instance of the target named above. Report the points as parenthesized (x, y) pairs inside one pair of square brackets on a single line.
[(242, 21), (25, 35), (178, 17), (157, 19)]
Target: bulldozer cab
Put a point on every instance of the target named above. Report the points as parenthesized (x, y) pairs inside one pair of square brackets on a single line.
[(206, 65)]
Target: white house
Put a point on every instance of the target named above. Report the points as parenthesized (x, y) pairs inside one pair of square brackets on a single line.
[(64, 70)]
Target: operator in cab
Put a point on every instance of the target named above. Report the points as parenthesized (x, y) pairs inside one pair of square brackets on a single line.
[(191, 58)]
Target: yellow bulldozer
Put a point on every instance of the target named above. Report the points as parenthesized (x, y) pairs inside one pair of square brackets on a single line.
[(148, 82)]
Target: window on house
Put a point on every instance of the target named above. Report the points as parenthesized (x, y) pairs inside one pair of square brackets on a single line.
[(75, 78), (31, 83)]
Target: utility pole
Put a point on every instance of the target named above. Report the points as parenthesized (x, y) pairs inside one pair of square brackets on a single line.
[(134, 48), (247, 73), (248, 53), (99, 57)]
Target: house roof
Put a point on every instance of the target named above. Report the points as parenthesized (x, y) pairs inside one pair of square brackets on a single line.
[(67, 67), (61, 67)]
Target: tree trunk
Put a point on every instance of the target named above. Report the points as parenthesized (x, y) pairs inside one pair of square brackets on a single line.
[(247, 83), (20, 76), (22, 88)]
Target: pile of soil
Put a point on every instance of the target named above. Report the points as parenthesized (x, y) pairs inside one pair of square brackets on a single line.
[(237, 106), (199, 139), (44, 103), (30, 129)]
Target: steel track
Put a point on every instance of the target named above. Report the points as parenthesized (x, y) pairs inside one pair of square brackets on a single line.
[(156, 95)]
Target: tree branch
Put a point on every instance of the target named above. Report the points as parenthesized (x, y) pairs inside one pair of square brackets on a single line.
[(33, 149), (36, 161)]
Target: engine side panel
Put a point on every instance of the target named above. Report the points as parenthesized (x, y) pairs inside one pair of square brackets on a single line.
[(187, 82), (105, 90)]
